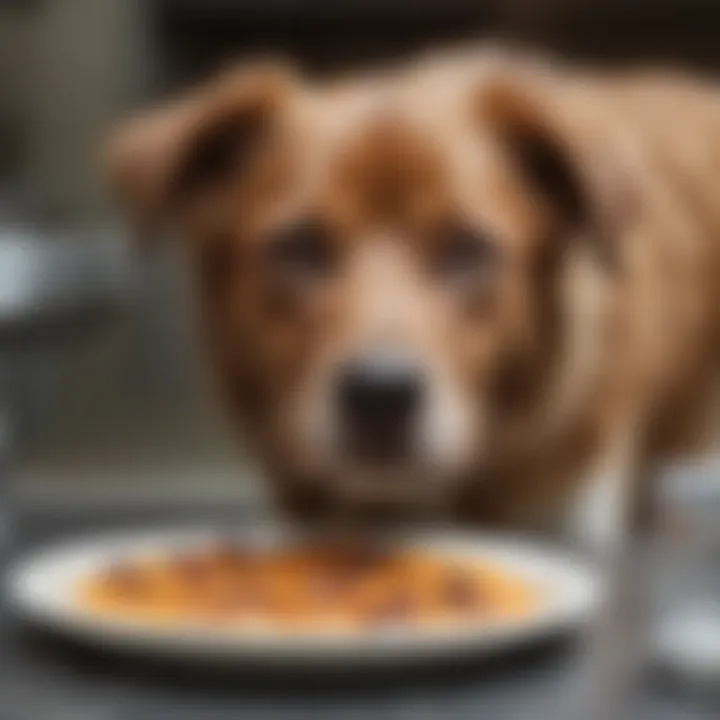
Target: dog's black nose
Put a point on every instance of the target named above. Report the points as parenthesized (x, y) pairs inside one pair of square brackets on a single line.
[(380, 395)]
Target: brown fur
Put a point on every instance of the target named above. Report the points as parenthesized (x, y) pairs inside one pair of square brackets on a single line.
[(597, 192)]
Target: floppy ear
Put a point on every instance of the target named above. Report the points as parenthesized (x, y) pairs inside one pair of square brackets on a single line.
[(563, 155), (156, 161)]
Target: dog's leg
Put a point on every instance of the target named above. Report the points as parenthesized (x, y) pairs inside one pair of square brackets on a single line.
[(599, 519), (604, 521)]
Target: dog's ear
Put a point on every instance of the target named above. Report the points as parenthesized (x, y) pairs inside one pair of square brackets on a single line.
[(156, 162), (555, 146)]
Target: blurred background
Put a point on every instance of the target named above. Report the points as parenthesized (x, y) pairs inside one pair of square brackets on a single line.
[(100, 388)]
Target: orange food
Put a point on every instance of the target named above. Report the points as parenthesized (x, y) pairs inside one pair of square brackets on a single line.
[(313, 588)]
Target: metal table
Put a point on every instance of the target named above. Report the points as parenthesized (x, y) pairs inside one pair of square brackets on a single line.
[(47, 679)]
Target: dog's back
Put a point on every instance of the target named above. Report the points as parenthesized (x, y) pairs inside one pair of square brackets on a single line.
[(667, 135), (649, 143)]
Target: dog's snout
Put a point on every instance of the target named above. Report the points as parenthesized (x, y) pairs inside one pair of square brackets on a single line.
[(380, 390), (379, 397)]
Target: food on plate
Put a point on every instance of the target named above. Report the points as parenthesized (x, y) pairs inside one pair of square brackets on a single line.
[(311, 587)]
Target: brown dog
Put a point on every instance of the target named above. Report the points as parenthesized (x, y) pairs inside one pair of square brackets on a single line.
[(484, 285)]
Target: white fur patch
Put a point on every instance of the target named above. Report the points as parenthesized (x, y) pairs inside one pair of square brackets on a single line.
[(598, 518)]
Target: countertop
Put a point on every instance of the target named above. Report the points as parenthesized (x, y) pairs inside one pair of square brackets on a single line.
[(47, 679)]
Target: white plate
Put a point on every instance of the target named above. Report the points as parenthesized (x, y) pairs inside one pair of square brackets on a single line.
[(41, 589)]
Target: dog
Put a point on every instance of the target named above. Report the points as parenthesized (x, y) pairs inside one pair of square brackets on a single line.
[(480, 285)]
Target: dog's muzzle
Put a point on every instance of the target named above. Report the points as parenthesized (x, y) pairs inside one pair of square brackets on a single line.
[(380, 396)]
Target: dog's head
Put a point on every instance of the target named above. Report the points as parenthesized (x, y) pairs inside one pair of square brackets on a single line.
[(378, 263)]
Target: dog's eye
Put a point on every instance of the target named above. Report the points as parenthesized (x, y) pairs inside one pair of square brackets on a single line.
[(302, 249), (463, 253)]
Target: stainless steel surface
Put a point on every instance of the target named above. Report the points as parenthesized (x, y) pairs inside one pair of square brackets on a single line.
[(79, 684)]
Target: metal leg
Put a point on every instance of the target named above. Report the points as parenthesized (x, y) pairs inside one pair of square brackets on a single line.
[(614, 653), (613, 657)]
